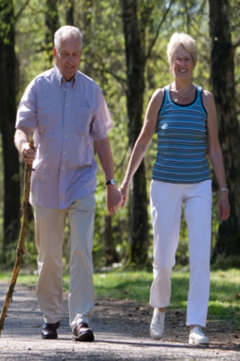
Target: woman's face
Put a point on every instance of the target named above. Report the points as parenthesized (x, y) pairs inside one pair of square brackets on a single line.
[(182, 64)]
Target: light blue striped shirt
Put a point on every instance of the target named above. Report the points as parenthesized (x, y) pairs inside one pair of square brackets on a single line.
[(182, 141)]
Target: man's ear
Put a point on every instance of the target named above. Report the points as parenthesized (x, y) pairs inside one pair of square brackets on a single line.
[(54, 52)]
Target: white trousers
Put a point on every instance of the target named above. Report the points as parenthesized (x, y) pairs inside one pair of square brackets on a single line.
[(166, 206), (49, 230)]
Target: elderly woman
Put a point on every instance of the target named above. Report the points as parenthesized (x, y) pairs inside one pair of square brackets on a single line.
[(184, 117)]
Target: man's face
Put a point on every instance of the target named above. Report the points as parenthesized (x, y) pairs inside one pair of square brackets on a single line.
[(67, 57)]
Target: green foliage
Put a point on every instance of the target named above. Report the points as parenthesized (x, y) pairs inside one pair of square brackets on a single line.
[(104, 60), (1, 192), (33, 57), (225, 262), (6, 20)]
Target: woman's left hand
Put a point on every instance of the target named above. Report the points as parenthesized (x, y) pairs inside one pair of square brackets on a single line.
[(224, 206)]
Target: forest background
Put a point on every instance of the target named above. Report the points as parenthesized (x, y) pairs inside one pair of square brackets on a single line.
[(125, 52)]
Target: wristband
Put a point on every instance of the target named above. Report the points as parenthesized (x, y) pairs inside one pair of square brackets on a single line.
[(110, 181)]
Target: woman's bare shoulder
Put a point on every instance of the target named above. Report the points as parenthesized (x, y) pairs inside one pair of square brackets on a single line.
[(157, 97), (208, 99)]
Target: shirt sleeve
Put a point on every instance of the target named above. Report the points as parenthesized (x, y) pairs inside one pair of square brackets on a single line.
[(102, 121), (27, 110)]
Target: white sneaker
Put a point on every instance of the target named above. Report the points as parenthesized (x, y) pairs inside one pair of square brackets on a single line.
[(197, 337), (157, 324)]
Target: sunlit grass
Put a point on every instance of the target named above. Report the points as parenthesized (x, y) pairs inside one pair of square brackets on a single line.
[(23, 278), (225, 295), (123, 285), (224, 301)]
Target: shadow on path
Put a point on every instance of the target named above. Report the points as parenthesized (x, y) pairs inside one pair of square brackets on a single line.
[(121, 330)]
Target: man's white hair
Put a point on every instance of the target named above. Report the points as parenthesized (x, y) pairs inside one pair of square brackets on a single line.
[(67, 30)]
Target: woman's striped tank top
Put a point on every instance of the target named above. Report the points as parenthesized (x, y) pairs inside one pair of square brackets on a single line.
[(182, 141)]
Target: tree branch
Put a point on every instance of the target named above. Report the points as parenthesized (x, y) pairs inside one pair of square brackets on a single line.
[(152, 43), (236, 44), (122, 81), (17, 16)]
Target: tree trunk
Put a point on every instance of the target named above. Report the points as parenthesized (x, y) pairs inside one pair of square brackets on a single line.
[(70, 12), (11, 210), (110, 253), (223, 85), (135, 60), (87, 19), (52, 24)]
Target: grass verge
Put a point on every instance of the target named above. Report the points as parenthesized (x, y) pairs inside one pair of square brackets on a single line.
[(224, 303)]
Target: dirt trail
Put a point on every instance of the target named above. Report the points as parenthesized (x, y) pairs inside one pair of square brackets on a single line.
[(121, 330)]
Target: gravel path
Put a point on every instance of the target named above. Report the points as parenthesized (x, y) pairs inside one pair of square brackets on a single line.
[(121, 331)]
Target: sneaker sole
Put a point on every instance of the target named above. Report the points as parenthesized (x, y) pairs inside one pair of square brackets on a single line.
[(192, 342), (85, 337), (156, 337), (53, 337)]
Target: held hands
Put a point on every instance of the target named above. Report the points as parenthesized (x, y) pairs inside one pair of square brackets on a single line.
[(116, 197), (28, 153), (113, 198), (224, 206)]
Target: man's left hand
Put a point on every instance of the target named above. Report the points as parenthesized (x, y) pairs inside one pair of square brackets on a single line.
[(114, 198)]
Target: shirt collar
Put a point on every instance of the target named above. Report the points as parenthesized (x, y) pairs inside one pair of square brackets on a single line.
[(61, 79)]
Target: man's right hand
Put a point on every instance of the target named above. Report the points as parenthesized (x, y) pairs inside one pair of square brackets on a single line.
[(28, 153)]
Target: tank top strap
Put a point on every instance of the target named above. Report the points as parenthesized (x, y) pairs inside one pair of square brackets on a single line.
[(200, 98), (167, 91), (166, 97), (199, 91)]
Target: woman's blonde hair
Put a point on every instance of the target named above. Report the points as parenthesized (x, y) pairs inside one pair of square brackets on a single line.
[(178, 39)]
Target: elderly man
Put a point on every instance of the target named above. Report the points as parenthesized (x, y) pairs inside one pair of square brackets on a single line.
[(67, 115)]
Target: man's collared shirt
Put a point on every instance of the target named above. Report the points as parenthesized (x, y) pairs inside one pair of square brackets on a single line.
[(65, 119)]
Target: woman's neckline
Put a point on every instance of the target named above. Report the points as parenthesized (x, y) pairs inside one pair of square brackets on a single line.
[(178, 99)]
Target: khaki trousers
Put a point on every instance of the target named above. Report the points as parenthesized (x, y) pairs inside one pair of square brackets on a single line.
[(49, 230)]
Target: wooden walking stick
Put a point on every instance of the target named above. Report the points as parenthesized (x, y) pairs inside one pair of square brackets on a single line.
[(20, 244)]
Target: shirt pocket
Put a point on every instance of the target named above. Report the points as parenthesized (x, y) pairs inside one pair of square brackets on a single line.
[(81, 121), (79, 146), (49, 113)]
